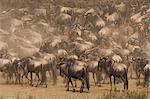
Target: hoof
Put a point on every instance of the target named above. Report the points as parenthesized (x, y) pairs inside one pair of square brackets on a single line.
[(99, 85), (125, 90), (65, 86), (31, 85), (81, 91), (67, 90), (46, 86), (111, 90), (74, 90), (137, 84)]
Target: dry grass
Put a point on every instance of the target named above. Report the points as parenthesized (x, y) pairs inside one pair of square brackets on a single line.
[(129, 95), (58, 92)]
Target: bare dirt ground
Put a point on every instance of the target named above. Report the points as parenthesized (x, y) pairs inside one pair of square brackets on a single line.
[(12, 91)]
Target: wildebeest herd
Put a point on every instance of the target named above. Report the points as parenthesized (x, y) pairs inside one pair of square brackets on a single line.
[(14, 70), (107, 39)]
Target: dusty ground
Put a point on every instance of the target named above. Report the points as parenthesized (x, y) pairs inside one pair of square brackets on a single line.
[(58, 91)]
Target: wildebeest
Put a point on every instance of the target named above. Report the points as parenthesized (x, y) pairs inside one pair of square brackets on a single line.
[(26, 68), (66, 10), (80, 72), (51, 65), (138, 66), (117, 58), (113, 18), (30, 65), (62, 61), (8, 69), (64, 19), (16, 69), (93, 68), (146, 74), (114, 69), (39, 66), (94, 20)]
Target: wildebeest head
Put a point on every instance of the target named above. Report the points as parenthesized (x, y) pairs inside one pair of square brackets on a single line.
[(61, 60), (70, 62), (24, 62), (139, 63), (104, 63)]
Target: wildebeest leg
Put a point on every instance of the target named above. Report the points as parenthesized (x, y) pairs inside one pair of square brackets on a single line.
[(131, 72), (123, 79), (72, 85), (54, 74), (105, 80), (46, 83), (37, 74), (75, 83), (43, 78), (19, 79), (125, 84), (68, 81), (65, 80), (126, 81), (26, 75), (115, 82), (10, 77), (138, 77), (7, 78), (50, 75), (110, 82), (31, 79), (94, 79), (22, 76), (16, 78), (82, 86), (98, 78), (146, 78)]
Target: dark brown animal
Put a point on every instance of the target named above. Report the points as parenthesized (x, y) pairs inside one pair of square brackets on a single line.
[(117, 70)]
